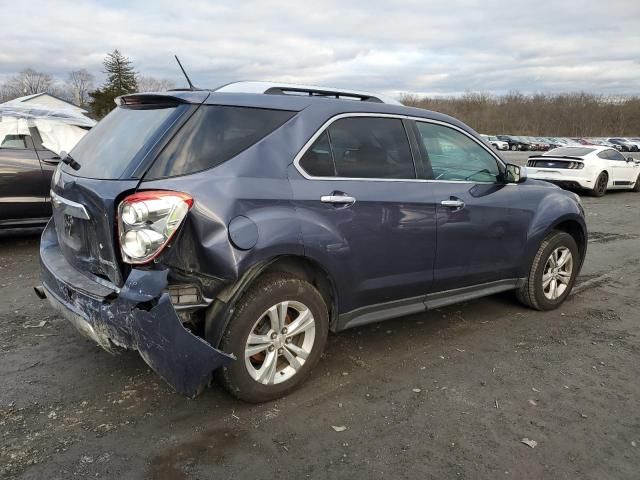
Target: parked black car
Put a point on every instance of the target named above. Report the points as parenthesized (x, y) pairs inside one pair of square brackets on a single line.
[(27, 164), (25, 178), (230, 232), (624, 145), (515, 143)]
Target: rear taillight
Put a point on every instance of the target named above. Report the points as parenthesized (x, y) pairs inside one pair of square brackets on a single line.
[(147, 220)]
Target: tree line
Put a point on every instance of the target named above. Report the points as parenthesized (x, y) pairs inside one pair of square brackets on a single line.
[(561, 115), (79, 87)]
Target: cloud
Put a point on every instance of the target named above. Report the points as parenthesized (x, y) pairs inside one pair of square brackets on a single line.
[(409, 46)]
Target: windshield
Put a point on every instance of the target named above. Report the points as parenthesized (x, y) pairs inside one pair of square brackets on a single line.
[(569, 151), (115, 146), (493, 139)]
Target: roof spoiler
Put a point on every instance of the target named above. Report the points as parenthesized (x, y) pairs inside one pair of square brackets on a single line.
[(555, 157), (138, 99)]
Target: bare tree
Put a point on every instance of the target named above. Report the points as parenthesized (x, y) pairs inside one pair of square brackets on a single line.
[(152, 84), (28, 82), (569, 114), (81, 82)]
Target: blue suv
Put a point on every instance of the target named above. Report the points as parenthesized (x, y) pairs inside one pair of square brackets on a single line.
[(223, 234)]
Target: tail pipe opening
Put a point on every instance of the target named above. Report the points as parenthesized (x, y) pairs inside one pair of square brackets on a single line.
[(40, 292)]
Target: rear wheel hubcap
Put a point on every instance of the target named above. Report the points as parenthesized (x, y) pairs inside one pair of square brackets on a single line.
[(280, 342)]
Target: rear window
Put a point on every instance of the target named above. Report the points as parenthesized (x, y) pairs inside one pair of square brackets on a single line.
[(213, 135), (115, 146), (570, 151)]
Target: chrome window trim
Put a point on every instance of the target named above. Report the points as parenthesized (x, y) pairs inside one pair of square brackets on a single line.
[(328, 123)]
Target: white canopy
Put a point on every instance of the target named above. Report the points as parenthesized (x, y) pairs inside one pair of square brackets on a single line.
[(60, 129)]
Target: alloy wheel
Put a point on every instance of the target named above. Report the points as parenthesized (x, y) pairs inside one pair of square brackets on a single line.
[(280, 342), (557, 272), (601, 187)]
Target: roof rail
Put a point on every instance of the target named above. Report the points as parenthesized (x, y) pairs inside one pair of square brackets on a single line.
[(318, 92), (273, 88)]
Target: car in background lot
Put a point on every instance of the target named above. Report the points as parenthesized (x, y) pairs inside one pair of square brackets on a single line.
[(603, 143), (634, 141), (497, 143), (230, 232), (592, 168), (541, 143), (515, 143), (31, 141), (625, 146), (554, 142)]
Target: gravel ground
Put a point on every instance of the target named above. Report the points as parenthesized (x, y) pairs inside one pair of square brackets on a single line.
[(446, 394)]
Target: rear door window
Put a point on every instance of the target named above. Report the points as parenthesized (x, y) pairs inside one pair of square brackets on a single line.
[(361, 147), (213, 135)]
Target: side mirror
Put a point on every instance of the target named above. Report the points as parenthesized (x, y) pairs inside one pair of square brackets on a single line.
[(515, 173), (631, 159)]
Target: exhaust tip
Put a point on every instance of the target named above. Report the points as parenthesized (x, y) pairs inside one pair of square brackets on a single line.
[(40, 292)]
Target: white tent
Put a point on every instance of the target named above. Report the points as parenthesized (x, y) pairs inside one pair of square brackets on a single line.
[(45, 100), (60, 129)]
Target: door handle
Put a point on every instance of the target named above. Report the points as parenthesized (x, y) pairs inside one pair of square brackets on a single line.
[(452, 203), (338, 199), (51, 161)]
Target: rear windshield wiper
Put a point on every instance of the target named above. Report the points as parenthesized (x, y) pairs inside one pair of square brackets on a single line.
[(68, 159)]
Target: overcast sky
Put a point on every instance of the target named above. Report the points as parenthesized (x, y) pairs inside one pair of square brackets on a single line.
[(434, 47)]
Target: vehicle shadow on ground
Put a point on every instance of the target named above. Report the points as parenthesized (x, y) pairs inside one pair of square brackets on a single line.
[(20, 236)]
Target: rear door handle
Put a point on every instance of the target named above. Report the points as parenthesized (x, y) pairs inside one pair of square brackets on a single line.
[(452, 203), (338, 199), (51, 161)]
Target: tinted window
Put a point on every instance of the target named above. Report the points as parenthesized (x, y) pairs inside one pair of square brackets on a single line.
[(570, 151), (14, 141), (13, 133), (455, 156), (369, 147), (111, 148), (213, 135), (318, 161), (612, 155)]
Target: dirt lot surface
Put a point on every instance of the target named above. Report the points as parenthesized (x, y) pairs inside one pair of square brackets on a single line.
[(446, 394)]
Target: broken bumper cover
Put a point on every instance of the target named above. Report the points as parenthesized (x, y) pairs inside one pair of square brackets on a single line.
[(139, 316)]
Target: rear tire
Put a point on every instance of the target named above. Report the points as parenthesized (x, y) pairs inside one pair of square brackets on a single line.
[(281, 358), (553, 273), (600, 188)]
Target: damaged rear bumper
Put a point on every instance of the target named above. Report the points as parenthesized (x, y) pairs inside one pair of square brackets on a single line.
[(139, 316)]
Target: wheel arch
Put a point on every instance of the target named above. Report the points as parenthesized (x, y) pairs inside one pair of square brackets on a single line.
[(219, 313), (552, 215), (577, 231)]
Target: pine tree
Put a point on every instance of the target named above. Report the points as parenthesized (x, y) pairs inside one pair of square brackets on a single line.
[(121, 77), (121, 80)]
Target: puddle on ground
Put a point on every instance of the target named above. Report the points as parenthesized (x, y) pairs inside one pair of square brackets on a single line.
[(211, 447)]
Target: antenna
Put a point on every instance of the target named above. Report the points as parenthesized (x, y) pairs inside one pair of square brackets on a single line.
[(191, 86)]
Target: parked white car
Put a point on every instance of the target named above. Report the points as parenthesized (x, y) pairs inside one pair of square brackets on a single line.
[(498, 144), (593, 168)]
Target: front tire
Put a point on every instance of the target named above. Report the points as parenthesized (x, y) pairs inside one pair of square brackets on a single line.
[(514, 147), (277, 334), (600, 188), (553, 273), (636, 187)]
